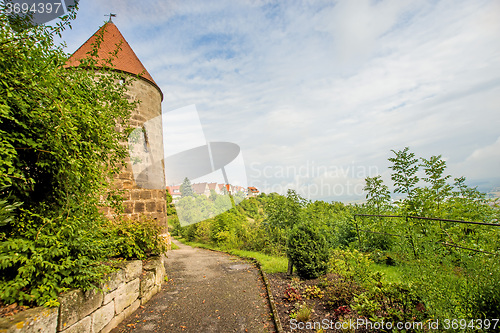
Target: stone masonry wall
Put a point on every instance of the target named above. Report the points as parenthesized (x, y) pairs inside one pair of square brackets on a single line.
[(143, 200), (94, 311)]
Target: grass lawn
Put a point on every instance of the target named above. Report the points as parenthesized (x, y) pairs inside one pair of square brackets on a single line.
[(391, 273), (270, 264)]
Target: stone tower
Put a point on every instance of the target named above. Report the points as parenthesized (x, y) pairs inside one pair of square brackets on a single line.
[(143, 196)]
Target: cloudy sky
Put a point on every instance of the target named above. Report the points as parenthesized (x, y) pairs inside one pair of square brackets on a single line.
[(317, 93)]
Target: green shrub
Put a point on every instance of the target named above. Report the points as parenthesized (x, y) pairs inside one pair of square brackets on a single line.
[(59, 150), (308, 251), (389, 301), (47, 255), (461, 286), (345, 231), (203, 231), (174, 226), (340, 292), (314, 292), (483, 275), (135, 239), (302, 312), (365, 305), (189, 232), (292, 294), (350, 264)]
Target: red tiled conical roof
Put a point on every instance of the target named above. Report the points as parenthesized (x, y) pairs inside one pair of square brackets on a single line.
[(125, 60)]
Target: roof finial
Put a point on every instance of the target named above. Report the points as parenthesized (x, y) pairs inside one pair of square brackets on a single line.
[(110, 16)]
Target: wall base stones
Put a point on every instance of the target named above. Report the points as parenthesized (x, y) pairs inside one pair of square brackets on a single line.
[(94, 311), (31, 321)]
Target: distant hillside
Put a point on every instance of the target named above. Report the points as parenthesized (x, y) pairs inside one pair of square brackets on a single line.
[(494, 193)]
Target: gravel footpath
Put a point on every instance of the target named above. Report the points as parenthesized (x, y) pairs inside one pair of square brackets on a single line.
[(207, 291)]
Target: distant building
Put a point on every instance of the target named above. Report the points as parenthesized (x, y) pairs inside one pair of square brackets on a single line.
[(215, 187), (240, 189), (175, 191), (223, 188), (220, 189), (253, 191), (201, 189)]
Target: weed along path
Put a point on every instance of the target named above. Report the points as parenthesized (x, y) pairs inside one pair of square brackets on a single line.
[(207, 291)]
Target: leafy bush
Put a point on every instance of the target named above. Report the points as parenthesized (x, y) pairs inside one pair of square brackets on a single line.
[(389, 301), (344, 231), (7, 215), (380, 257), (292, 294), (313, 292), (340, 292), (350, 264), (282, 213), (174, 226), (44, 256), (308, 250), (463, 286), (189, 232), (482, 276), (302, 312), (135, 239), (341, 311), (59, 151), (365, 305)]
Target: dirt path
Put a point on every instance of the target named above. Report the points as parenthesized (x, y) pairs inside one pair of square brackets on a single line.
[(207, 291)]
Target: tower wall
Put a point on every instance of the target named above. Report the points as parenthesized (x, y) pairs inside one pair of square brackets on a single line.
[(141, 198)]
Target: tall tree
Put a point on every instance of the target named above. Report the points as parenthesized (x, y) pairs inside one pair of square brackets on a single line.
[(378, 193), (282, 214), (434, 168), (405, 167), (187, 188)]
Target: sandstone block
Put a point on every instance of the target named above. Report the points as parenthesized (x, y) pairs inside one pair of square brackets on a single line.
[(156, 265), (147, 295), (75, 305), (151, 206), (35, 320), (139, 207), (83, 326), (128, 207), (121, 316), (147, 282), (125, 175), (102, 317), (113, 281), (132, 269), (127, 295), (160, 206), (127, 184), (135, 194)]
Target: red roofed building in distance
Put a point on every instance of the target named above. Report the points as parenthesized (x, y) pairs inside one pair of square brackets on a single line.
[(175, 191), (253, 191), (219, 189), (214, 187), (201, 189)]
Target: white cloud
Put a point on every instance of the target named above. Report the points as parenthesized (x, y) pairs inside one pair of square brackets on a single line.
[(335, 83), (483, 163)]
